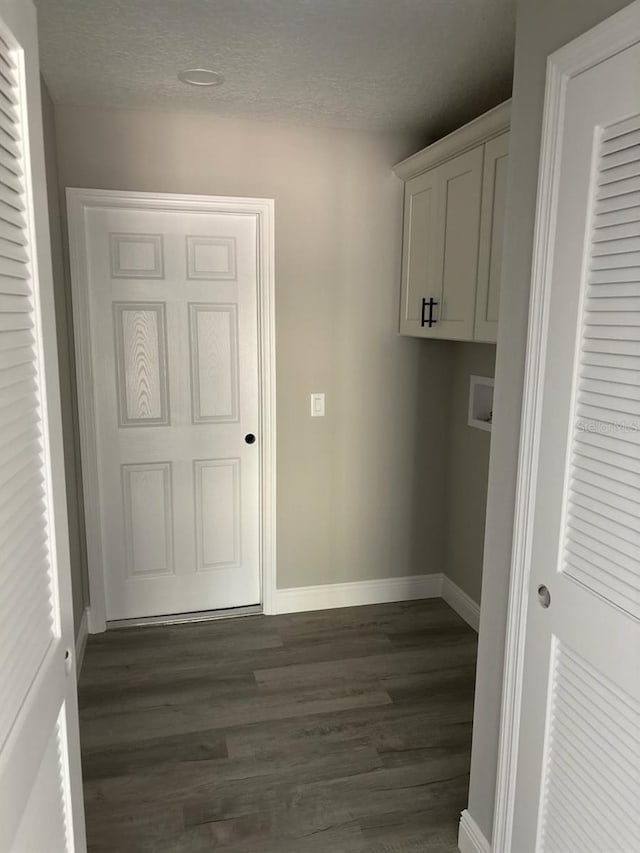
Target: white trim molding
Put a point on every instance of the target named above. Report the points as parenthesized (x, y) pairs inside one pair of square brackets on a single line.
[(474, 133), (82, 636), (470, 838), (356, 593), (615, 34), (462, 603), (78, 202)]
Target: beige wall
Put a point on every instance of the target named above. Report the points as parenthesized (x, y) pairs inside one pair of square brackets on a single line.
[(351, 495), (67, 368), (542, 27), (467, 472)]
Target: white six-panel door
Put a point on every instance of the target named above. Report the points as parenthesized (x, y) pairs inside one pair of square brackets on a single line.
[(172, 296), (577, 778), (40, 780)]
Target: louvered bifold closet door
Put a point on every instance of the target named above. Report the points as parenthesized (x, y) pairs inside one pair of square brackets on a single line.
[(26, 627), (603, 523), (40, 779), (26, 589), (592, 781)]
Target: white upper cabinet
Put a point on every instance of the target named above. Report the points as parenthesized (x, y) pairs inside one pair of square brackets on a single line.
[(494, 193), (453, 231)]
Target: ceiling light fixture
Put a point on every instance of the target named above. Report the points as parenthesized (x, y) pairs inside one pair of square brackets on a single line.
[(201, 77)]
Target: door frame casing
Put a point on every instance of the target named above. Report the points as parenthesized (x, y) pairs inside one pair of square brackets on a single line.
[(262, 209), (615, 34)]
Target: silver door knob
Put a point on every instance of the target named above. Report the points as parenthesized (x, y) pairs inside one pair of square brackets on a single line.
[(544, 596)]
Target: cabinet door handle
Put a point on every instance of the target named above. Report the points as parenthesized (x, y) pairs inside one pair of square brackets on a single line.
[(429, 303)]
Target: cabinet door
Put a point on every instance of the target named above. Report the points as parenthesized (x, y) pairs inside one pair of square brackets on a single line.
[(422, 248), (440, 260), (461, 181), (494, 190)]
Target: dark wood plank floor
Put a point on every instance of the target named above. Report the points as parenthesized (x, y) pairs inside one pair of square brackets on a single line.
[(345, 731)]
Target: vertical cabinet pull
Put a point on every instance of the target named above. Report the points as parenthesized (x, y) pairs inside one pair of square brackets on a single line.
[(429, 303)]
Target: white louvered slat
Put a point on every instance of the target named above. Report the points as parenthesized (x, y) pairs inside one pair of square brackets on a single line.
[(26, 481), (17, 392), (15, 286), (9, 128), (9, 213), (607, 407), (611, 388), (616, 174), (617, 217), (9, 111), (7, 64), (602, 316), (26, 599), (615, 135), (7, 88), (11, 199), (8, 178), (594, 349), (606, 274), (618, 202), (607, 247), (23, 532), (12, 233), (18, 436), (14, 322), (618, 189), (583, 524), (601, 446), (14, 269), (616, 298), (611, 498), (13, 251), (626, 154), (607, 233), (29, 554), (593, 760), (603, 558), (616, 260), (595, 374), (11, 375), (608, 480), (20, 460), (10, 154)]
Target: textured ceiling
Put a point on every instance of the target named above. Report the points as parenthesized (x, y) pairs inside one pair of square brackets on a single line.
[(375, 64)]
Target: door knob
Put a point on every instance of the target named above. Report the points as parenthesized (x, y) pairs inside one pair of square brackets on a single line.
[(544, 596), (250, 438)]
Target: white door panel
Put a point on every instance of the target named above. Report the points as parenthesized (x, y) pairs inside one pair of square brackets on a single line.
[(577, 784), (492, 223), (173, 308), (40, 780)]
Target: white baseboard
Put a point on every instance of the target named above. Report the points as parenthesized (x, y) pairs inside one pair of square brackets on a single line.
[(462, 603), (470, 839), (81, 639), (328, 596)]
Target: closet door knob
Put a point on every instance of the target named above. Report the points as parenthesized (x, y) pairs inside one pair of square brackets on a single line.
[(544, 596), (250, 438)]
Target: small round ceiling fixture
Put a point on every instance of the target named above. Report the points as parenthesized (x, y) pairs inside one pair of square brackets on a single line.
[(201, 77)]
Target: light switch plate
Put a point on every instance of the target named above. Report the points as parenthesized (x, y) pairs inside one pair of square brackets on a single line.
[(317, 405)]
